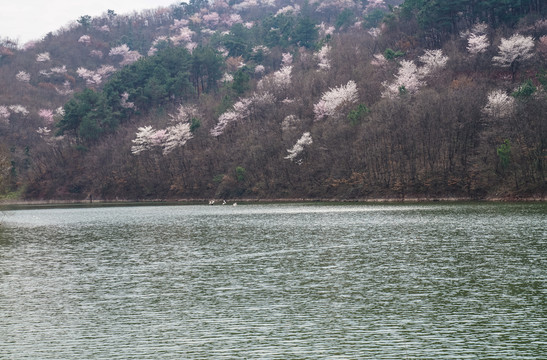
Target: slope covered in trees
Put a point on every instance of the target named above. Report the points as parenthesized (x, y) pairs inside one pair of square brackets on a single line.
[(281, 99)]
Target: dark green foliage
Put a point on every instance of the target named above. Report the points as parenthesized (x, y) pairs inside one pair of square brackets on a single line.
[(504, 153), (241, 81), (194, 124), (238, 41), (149, 82), (344, 19), (305, 33), (240, 173), (357, 115), (373, 18), (390, 54), (525, 90), (207, 66)]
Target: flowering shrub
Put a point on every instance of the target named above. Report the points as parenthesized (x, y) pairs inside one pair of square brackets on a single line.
[(143, 141), (334, 99)]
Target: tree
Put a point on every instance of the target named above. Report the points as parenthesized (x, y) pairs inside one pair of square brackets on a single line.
[(305, 32), (513, 52)]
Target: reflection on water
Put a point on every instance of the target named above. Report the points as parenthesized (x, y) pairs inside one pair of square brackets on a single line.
[(298, 281)]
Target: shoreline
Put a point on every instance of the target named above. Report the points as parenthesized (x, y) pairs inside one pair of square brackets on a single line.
[(198, 201)]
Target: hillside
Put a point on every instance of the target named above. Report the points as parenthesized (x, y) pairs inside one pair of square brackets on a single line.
[(281, 99)]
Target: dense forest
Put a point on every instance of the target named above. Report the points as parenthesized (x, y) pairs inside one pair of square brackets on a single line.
[(275, 99)]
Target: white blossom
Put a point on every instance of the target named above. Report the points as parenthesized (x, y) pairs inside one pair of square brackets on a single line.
[(477, 44), (4, 112), (499, 104), (43, 131), (433, 61), (408, 78), (19, 109), (177, 135), (23, 76), (334, 99), (298, 148), (85, 39), (286, 59), (43, 57), (288, 9), (124, 103), (128, 56), (278, 80), (65, 90), (323, 57), (59, 70), (143, 141), (516, 48), (259, 69)]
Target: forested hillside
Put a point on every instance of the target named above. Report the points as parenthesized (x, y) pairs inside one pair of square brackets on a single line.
[(254, 99)]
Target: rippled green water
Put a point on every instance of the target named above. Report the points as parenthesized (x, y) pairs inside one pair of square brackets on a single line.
[(298, 281)]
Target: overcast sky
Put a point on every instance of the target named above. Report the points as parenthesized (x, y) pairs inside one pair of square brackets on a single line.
[(26, 20)]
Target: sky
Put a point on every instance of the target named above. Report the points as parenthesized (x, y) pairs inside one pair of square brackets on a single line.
[(26, 20)]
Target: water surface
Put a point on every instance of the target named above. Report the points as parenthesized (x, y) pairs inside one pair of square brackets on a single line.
[(284, 281)]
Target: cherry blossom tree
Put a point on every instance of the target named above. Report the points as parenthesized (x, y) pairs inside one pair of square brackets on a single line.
[(85, 39), (23, 76), (408, 79), (144, 141), (477, 44), (128, 56), (433, 61), (323, 57), (298, 148), (334, 99), (43, 57), (4, 114), (499, 104), (19, 109), (46, 115), (124, 103), (177, 135), (513, 52)]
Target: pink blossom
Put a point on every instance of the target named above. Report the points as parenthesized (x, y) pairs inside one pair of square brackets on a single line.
[(47, 115), (211, 19)]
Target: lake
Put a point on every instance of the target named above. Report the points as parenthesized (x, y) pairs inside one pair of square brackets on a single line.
[(275, 281)]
